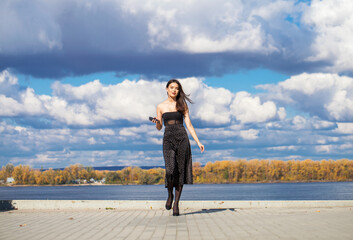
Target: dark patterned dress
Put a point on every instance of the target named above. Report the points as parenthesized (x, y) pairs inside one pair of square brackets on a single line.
[(176, 150)]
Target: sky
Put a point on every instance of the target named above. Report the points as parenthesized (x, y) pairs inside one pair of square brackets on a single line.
[(269, 79)]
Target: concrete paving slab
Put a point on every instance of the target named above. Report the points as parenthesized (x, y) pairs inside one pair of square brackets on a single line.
[(196, 223)]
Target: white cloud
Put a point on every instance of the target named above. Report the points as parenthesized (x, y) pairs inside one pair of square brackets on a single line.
[(96, 104), (345, 128), (91, 141), (9, 106), (341, 106), (100, 132), (248, 109), (309, 84), (70, 113), (7, 81), (181, 25), (250, 134), (299, 122), (211, 104), (332, 21), (87, 92), (283, 148), (249, 38), (93, 158), (28, 104), (218, 105), (346, 146), (282, 113), (188, 26), (144, 133), (136, 100), (319, 124), (324, 148), (220, 133), (328, 96), (7, 78), (130, 100), (85, 105), (214, 155), (272, 10)]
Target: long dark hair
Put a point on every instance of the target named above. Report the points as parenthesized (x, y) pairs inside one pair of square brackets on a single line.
[(181, 97)]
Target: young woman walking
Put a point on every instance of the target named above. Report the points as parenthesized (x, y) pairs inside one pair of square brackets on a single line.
[(176, 145)]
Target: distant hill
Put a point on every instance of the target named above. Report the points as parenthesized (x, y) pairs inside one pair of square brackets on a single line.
[(111, 168), (115, 168)]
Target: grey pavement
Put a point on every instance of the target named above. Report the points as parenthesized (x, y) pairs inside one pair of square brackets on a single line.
[(230, 223), (144, 205)]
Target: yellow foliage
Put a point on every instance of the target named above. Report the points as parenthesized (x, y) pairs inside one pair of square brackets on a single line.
[(254, 170)]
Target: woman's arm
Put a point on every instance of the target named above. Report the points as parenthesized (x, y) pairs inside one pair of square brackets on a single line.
[(159, 118), (192, 130)]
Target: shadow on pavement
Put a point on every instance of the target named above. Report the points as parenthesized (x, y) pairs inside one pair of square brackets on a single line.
[(6, 205), (211, 210)]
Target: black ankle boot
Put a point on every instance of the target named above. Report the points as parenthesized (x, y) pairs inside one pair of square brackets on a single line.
[(176, 211)]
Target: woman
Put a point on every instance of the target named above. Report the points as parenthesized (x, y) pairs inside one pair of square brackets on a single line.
[(176, 145)]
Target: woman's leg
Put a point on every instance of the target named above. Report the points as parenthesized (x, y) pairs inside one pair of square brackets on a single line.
[(178, 191), (169, 202), (169, 158)]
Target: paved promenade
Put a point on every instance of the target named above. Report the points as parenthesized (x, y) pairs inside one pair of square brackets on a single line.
[(228, 223)]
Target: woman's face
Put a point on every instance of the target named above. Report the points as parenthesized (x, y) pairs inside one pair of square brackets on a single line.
[(173, 89)]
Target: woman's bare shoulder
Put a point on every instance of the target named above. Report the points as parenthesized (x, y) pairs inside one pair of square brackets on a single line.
[(162, 105)]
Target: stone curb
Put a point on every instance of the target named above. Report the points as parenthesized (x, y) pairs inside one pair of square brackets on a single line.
[(155, 205)]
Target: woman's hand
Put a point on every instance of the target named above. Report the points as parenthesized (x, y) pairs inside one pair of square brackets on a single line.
[(155, 120), (202, 147), (158, 123)]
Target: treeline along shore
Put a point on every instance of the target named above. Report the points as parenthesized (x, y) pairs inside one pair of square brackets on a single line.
[(238, 171)]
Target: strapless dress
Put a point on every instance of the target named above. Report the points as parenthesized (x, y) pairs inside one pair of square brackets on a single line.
[(176, 150)]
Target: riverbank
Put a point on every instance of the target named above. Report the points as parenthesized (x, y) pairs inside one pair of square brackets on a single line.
[(53, 185), (134, 184), (160, 205)]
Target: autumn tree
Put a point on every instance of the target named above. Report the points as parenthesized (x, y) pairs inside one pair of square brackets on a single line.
[(3, 177), (113, 177), (22, 175), (9, 168)]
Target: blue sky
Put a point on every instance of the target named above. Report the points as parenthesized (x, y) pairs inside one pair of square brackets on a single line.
[(269, 79)]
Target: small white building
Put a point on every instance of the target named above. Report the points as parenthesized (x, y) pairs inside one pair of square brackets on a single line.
[(77, 180), (10, 180)]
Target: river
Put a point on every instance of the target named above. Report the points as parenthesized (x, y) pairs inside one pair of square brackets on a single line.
[(259, 191)]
